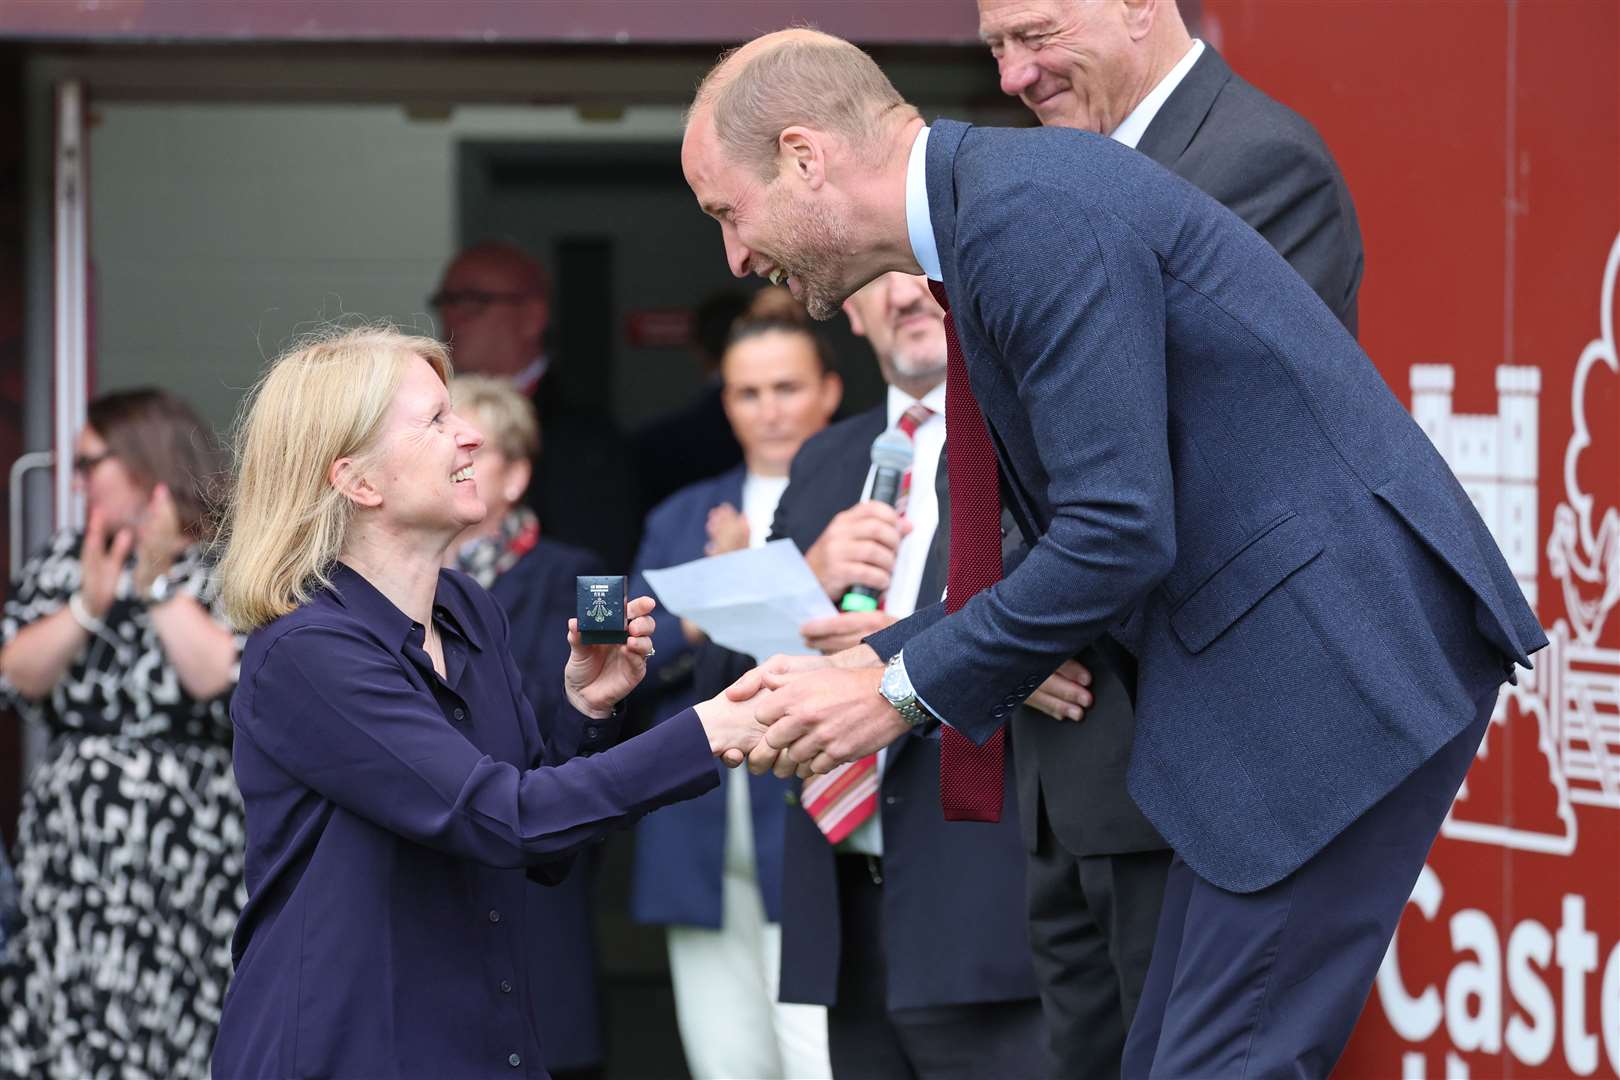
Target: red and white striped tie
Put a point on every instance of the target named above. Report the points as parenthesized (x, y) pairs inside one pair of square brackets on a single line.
[(841, 801)]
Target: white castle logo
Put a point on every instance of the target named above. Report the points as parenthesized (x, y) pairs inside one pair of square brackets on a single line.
[(1574, 692)]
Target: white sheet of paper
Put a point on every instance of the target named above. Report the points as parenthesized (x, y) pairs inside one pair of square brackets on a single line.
[(751, 601)]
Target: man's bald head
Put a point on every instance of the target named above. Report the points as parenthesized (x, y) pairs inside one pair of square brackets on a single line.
[(507, 264), (795, 77)]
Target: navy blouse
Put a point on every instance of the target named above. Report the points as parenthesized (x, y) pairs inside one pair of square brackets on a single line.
[(396, 821)]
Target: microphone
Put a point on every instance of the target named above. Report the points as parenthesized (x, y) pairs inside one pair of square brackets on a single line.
[(891, 456)]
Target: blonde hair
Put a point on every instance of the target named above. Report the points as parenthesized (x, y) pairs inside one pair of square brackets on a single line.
[(323, 399), (507, 417), (806, 78)]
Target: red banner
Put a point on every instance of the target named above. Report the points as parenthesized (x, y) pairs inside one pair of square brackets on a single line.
[(1482, 145)]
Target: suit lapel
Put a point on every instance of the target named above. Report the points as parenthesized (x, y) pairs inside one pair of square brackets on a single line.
[(1182, 114)]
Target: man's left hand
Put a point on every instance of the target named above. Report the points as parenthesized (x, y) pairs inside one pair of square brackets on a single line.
[(817, 720), (835, 633)]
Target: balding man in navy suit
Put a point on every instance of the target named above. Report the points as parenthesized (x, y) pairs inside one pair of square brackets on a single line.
[(1214, 476)]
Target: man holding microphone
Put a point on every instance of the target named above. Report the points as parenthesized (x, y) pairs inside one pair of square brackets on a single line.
[(873, 877)]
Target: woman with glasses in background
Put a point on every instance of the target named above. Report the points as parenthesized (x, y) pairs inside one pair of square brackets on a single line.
[(129, 849)]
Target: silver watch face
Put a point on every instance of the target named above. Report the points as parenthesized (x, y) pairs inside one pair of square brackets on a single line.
[(895, 685)]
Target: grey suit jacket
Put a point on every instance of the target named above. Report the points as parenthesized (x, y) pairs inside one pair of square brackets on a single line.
[(1266, 164), (1219, 479)]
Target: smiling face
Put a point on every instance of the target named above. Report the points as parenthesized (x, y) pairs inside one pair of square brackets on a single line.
[(776, 395), (905, 327), (419, 481), (785, 230), (1073, 63)]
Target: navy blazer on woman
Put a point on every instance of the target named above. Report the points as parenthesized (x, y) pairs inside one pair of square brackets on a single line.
[(394, 819), (539, 596), (1218, 477), (954, 928), (680, 851)]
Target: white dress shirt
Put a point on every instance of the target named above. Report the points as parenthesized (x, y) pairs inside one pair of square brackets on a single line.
[(919, 225), (922, 510), (922, 506), (1132, 128)]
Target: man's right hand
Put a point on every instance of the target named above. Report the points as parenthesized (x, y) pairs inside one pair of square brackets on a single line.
[(857, 547)]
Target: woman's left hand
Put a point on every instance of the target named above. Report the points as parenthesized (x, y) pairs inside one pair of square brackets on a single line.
[(598, 677)]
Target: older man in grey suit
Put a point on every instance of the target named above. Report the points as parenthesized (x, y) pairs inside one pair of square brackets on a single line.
[(1216, 478), (1129, 69)]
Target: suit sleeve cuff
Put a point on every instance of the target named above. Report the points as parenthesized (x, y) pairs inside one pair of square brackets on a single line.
[(891, 639)]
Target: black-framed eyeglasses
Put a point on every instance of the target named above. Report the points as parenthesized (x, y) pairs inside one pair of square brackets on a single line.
[(83, 464), (474, 298)]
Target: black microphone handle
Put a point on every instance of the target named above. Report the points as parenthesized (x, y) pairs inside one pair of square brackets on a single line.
[(886, 486), (886, 490)]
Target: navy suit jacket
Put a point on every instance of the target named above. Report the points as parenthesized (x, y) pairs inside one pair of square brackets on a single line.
[(1266, 164), (954, 928), (676, 876), (539, 597), (1219, 478)]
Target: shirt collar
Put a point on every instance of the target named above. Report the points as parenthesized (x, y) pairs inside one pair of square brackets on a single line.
[(919, 223), (899, 401), (351, 590), (1134, 126), (526, 380)]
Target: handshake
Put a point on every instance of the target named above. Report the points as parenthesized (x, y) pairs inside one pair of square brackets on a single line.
[(806, 715), (791, 715), (802, 715)]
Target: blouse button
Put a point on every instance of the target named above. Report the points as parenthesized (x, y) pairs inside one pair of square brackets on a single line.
[(460, 713), (514, 1061), (494, 916), (592, 732), (506, 986)]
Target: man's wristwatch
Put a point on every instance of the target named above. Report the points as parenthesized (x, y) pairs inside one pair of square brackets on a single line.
[(897, 691)]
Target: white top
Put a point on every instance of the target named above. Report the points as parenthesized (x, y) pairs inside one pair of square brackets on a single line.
[(759, 498), (1132, 128), (919, 225)]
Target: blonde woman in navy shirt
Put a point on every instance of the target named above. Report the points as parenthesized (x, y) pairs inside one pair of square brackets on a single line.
[(402, 804)]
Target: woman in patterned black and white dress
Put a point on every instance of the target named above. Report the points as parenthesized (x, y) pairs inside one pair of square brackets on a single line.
[(129, 850)]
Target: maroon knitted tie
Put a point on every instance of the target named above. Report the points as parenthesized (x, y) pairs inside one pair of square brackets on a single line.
[(970, 776)]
